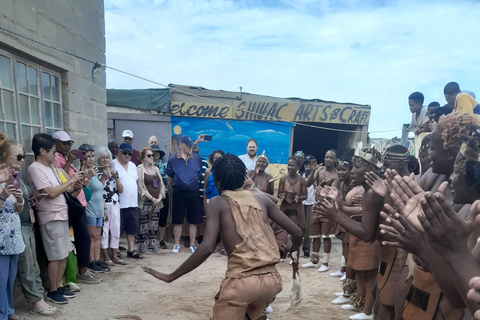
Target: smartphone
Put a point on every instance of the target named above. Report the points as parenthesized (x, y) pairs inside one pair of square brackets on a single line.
[(15, 179), (80, 154), (100, 169), (207, 138)]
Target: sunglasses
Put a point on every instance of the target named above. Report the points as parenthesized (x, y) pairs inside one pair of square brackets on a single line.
[(127, 139), (67, 143), (20, 157), (149, 155), (127, 153), (88, 148)]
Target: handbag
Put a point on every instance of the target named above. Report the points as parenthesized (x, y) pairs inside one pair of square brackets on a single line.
[(75, 207)]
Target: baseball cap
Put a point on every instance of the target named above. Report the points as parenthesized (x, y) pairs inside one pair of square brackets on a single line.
[(125, 146), (62, 136), (127, 134), (309, 158), (187, 140)]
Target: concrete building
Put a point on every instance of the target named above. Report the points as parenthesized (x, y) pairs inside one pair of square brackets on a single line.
[(43, 89)]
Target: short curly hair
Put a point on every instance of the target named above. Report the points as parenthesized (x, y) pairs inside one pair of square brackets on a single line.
[(456, 128)]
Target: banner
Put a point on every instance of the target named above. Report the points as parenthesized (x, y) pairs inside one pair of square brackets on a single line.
[(319, 112)]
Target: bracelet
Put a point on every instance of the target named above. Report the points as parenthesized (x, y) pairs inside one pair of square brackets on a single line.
[(21, 204), (3, 199)]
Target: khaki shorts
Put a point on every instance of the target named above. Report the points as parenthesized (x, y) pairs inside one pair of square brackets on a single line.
[(241, 297), (56, 239), (320, 227)]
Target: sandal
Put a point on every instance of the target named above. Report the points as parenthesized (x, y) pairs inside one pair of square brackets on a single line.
[(109, 262), (120, 262), (15, 317), (134, 254)]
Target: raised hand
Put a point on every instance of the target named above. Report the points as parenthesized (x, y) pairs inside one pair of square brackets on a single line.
[(5, 172), (327, 208), (376, 184)]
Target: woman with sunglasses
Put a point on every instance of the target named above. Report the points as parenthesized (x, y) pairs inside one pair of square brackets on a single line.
[(112, 187), (96, 209), (151, 191), (12, 155), (11, 241)]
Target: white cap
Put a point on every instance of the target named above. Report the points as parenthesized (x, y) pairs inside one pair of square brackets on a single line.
[(127, 133)]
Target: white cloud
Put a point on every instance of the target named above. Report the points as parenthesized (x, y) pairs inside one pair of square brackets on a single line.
[(271, 131), (345, 51)]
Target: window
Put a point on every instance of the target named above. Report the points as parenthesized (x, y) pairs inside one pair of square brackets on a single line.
[(30, 99)]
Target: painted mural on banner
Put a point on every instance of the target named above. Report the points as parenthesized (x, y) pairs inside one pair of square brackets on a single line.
[(320, 112), (231, 136)]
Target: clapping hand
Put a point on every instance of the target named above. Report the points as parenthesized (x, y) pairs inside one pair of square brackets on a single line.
[(444, 230), (399, 231), (378, 185)]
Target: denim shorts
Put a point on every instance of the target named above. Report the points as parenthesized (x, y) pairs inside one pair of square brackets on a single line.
[(94, 222)]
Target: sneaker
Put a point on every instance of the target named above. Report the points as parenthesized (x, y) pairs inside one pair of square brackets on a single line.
[(163, 245), (56, 297), (73, 287), (338, 294), (268, 309), (155, 249), (93, 266), (64, 292), (88, 278), (176, 249), (349, 307), (323, 268), (192, 249), (361, 316), (341, 300), (343, 277), (310, 264), (337, 273), (306, 254)]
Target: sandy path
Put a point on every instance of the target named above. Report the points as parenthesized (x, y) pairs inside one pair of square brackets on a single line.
[(128, 290)]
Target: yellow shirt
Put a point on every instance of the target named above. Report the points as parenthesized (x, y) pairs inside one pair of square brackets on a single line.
[(465, 102)]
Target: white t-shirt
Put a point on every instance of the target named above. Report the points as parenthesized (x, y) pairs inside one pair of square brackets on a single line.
[(249, 163), (420, 121), (129, 196)]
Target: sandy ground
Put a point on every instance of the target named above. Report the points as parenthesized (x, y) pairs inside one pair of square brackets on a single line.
[(127, 290)]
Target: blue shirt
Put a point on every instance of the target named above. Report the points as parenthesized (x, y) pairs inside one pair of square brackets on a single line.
[(184, 174)]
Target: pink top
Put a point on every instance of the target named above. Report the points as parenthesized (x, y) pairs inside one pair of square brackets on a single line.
[(60, 162), (40, 177)]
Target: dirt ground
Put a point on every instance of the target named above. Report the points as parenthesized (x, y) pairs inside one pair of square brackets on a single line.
[(127, 290)]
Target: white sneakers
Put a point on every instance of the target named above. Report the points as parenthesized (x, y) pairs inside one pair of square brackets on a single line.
[(337, 273), (323, 268), (310, 264), (338, 294), (361, 316), (349, 307), (176, 249), (341, 300), (192, 249), (343, 277)]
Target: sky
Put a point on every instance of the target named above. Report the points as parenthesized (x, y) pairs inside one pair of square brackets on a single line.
[(365, 52)]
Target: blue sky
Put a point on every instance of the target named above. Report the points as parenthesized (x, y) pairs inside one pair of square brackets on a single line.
[(366, 52)]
